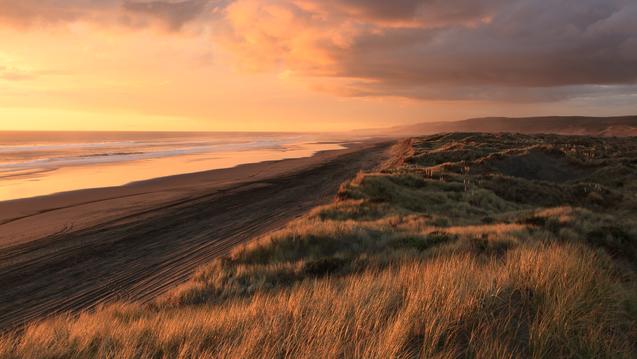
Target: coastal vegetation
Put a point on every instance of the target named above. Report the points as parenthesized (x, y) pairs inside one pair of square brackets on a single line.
[(461, 245)]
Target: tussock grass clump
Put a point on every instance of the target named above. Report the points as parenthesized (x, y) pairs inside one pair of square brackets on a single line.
[(548, 301), (447, 254)]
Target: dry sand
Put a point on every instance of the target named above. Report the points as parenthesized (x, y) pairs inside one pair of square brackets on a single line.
[(72, 251)]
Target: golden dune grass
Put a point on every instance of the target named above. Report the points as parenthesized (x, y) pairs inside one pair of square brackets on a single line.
[(553, 301), (402, 265)]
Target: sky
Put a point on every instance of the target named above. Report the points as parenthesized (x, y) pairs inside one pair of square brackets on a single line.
[(310, 65)]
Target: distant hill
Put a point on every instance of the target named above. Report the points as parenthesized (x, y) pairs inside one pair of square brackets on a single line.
[(623, 126)]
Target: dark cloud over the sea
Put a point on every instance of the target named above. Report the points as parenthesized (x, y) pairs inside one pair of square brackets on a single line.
[(173, 14)]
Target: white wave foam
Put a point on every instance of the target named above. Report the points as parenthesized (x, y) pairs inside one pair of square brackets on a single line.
[(151, 150)]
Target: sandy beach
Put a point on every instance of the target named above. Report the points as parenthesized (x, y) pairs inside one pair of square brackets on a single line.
[(75, 250)]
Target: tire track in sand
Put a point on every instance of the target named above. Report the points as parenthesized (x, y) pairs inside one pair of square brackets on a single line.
[(142, 258)]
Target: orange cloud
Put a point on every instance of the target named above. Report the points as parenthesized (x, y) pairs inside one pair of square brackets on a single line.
[(480, 49)]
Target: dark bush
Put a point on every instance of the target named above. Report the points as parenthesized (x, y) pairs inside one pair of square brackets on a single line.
[(533, 221), (324, 266), (615, 240), (423, 243)]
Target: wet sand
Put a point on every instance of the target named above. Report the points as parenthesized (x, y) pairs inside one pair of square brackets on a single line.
[(111, 170), (75, 250)]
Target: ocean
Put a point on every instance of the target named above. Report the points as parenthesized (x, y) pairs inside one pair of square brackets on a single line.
[(42, 163)]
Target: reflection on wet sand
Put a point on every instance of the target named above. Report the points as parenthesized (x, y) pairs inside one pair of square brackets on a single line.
[(37, 183)]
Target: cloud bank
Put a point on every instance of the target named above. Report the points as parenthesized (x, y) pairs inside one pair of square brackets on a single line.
[(509, 50), (523, 50)]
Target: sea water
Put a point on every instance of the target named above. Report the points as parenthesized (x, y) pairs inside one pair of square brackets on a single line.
[(42, 163)]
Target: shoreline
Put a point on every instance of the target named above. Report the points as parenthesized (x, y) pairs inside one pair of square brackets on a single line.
[(106, 203), (74, 251), (76, 171)]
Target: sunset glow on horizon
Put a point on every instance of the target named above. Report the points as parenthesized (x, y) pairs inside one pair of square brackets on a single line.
[(303, 65)]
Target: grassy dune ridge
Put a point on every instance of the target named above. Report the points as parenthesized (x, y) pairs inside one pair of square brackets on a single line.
[(465, 245)]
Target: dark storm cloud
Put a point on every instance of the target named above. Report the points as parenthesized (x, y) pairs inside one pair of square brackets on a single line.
[(31, 12), (398, 9), (173, 14), (525, 49), (516, 52), (427, 12)]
